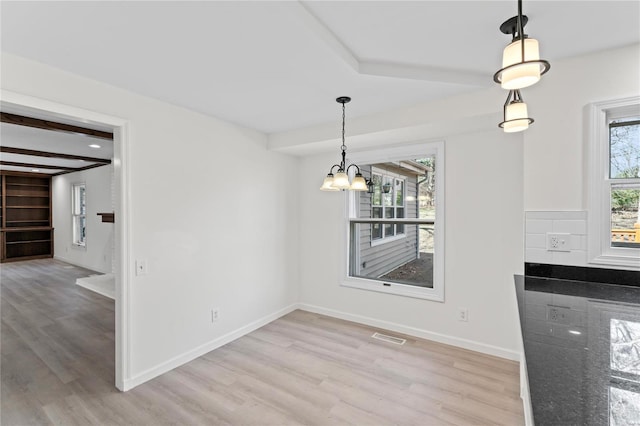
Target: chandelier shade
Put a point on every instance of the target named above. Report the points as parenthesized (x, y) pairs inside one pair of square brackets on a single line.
[(516, 115), (521, 63)]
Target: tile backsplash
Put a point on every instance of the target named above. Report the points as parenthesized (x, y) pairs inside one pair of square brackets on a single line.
[(539, 223)]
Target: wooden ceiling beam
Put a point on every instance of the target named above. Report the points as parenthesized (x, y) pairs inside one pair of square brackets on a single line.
[(92, 166), (37, 166), (22, 151), (37, 123)]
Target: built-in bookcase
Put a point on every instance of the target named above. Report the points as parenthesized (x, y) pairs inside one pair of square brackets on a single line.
[(26, 216)]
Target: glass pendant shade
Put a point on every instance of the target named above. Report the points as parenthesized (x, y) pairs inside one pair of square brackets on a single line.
[(519, 75), (341, 181), (516, 117), (359, 184), (327, 185)]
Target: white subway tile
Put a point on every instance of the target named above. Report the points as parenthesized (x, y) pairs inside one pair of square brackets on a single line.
[(578, 227), (556, 215), (536, 241), (573, 258), (531, 215), (536, 226), (578, 242), (538, 255)]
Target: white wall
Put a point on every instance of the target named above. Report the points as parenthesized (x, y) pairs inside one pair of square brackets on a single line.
[(555, 175), (98, 252), (483, 238), (555, 145), (213, 212)]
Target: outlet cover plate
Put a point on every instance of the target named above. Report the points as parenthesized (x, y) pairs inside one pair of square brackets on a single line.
[(558, 241)]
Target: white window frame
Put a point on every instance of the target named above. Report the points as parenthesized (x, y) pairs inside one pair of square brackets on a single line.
[(419, 150), (77, 215), (394, 177), (598, 191)]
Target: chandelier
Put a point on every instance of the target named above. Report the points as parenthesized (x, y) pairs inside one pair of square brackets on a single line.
[(340, 181)]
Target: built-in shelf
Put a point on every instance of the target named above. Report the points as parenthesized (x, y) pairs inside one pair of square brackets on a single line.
[(26, 231)]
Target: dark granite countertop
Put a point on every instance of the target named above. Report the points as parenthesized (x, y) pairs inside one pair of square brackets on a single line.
[(582, 350)]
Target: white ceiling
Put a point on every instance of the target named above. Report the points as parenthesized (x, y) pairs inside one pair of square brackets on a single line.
[(278, 66)]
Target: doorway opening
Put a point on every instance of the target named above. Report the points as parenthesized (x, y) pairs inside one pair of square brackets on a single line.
[(65, 115)]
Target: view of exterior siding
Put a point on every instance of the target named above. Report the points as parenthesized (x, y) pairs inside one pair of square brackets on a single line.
[(377, 257)]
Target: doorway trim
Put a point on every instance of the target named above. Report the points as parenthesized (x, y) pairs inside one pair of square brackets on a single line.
[(20, 103)]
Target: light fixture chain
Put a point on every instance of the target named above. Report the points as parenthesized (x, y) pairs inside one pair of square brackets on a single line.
[(343, 147)]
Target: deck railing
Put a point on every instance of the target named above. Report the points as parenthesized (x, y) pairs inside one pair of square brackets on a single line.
[(626, 235)]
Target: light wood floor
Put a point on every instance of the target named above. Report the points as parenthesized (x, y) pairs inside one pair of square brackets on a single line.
[(57, 367)]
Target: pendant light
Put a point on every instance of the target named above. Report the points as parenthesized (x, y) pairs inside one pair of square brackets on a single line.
[(340, 181), (516, 118), (521, 63)]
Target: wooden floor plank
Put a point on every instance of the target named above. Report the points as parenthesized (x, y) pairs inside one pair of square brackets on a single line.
[(57, 367)]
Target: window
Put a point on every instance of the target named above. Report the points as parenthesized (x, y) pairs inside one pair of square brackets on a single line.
[(614, 183), (395, 235), (79, 214), (387, 202)]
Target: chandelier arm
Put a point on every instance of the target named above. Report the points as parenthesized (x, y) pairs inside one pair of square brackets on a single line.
[(333, 167), (353, 165)]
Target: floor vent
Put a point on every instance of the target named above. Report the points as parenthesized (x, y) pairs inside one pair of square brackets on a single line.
[(389, 339)]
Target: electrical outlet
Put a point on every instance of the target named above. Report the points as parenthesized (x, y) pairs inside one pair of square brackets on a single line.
[(215, 314), (558, 242), (463, 314)]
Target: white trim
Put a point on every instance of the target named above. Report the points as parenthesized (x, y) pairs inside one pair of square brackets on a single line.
[(384, 240), (192, 354), (21, 103), (397, 153), (599, 251), (382, 69), (416, 332), (80, 264)]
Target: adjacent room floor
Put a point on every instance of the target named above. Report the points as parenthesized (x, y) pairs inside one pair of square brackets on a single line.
[(58, 367)]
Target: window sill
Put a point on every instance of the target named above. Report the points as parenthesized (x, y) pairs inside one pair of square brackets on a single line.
[(624, 262), (394, 288)]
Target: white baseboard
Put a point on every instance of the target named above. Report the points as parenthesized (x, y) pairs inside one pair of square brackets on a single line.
[(203, 349), (74, 263), (387, 325), (416, 332)]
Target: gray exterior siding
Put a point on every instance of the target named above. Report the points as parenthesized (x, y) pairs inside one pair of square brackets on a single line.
[(377, 260)]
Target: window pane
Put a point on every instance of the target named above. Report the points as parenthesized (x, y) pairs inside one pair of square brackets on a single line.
[(393, 262), (82, 200), (625, 219), (400, 214), (624, 148), (376, 231), (388, 227), (377, 190), (399, 192), (387, 189), (427, 189)]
